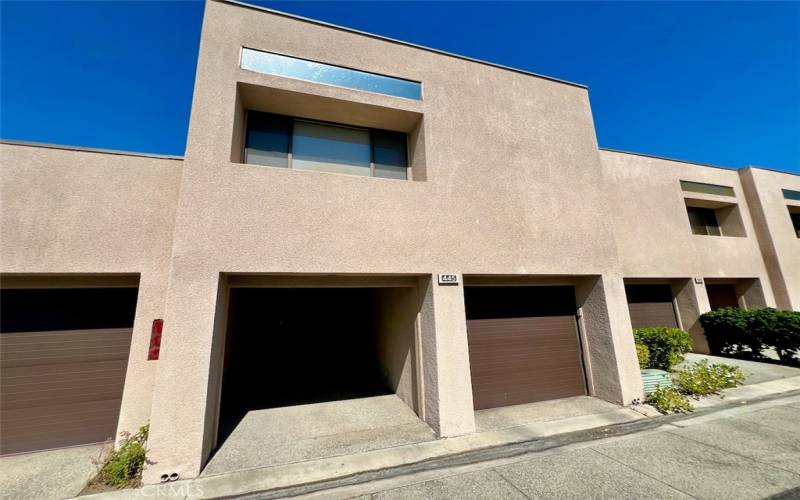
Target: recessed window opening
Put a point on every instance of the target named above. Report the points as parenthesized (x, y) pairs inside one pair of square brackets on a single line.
[(285, 142), (794, 214), (703, 221)]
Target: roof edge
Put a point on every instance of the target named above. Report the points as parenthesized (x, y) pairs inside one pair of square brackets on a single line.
[(646, 155), (400, 42), (732, 169), (66, 147)]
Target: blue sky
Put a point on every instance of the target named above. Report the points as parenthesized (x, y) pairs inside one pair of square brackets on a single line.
[(714, 83)]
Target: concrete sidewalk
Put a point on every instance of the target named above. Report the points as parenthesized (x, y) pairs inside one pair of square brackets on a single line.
[(747, 452), (624, 453), (57, 473)]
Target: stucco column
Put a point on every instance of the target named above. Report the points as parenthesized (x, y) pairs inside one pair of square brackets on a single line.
[(608, 339), (138, 392), (691, 301), (181, 424), (446, 381), (752, 295)]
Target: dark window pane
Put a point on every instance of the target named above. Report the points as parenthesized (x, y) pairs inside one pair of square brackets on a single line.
[(390, 154), (701, 187), (791, 195), (328, 148), (796, 222), (267, 140), (703, 221)]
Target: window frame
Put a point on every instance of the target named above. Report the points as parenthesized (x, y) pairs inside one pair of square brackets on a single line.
[(704, 215), (290, 145)]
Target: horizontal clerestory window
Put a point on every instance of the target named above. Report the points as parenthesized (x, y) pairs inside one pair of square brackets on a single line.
[(286, 142), (791, 195), (702, 187), (310, 71)]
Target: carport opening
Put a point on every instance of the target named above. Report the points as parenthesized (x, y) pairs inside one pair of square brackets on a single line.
[(297, 346)]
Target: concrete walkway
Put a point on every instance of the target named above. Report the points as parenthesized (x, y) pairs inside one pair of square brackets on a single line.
[(51, 474), (749, 449), (742, 452), (757, 372)]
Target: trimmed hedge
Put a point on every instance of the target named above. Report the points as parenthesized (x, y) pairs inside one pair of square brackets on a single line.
[(743, 332), (666, 346), (643, 355)]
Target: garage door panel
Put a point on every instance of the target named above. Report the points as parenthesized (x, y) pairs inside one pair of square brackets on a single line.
[(58, 439), (48, 398), (68, 423), (652, 314), (522, 360), (650, 305), (515, 372), (501, 366), (17, 377), (55, 413), (70, 346), (61, 388), (496, 399), (525, 347)]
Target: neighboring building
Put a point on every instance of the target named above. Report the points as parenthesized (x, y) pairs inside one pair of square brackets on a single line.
[(393, 216)]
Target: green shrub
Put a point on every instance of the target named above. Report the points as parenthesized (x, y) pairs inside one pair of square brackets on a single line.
[(779, 330), (122, 467), (727, 331), (669, 400), (747, 332), (643, 355), (666, 346), (702, 378)]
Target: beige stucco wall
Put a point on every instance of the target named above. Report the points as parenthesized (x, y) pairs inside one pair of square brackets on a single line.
[(652, 228), (396, 311), (779, 243), (508, 182), (91, 213), (513, 182)]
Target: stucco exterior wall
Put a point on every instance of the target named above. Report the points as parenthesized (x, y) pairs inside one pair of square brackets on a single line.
[(779, 244), (92, 213), (512, 185), (507, 183), (652, 228)]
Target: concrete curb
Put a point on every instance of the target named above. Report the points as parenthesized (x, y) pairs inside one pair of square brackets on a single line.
[(334, 472)]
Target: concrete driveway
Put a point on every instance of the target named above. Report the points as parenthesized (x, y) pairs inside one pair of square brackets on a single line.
[(745, 452), (51, 474), (306, 432)]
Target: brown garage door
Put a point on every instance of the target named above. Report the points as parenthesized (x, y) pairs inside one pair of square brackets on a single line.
[(651, 305), (523, 345), (60, 387), (722, 295)]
